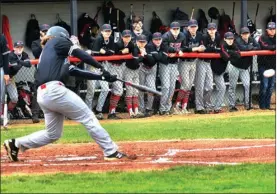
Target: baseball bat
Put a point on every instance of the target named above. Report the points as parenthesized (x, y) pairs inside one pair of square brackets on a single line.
[(141, 87), (257, 10), (233, 14), (192, 11), (143, 13)]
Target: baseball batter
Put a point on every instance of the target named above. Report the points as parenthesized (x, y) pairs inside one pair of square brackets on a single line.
[(57, 101), (4, 71)]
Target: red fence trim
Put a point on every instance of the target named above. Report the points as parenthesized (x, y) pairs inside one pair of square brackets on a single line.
[(185, 55)]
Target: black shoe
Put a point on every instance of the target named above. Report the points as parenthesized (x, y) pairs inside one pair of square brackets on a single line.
[(201, 111), (162, 112), (113, 116), (115, 156), (233, 109), (35, 119), (11, 149), (218, 111), (148, 113)]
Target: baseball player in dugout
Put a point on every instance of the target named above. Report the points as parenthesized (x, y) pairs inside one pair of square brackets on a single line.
[(139, 30), (4, 73), (173, 40), (132, 75), (212, 42), (245, 43), (103, 46), (187, 67), (57, 101), (17, 59), (204, 74), (159, 53), (147, 75), (122, 47), (267, 42), (230, 52), (36, 50)]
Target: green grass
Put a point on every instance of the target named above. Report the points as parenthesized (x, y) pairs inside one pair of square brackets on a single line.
[(246, 127), (247, 178)]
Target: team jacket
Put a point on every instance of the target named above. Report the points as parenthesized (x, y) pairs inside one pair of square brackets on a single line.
[(267, 43), (134, 63), (36, 48), (160, 54), (4, 58), (144, 32), (119, 46), (99, 44), (252, 44), (16, 62), (213, 46), (191, 42), (231, 53), (174, 45)]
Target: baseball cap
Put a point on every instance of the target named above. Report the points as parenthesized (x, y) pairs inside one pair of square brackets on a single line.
[(142, 38), (44, 27), (157, 35), (126, 33), (106, 27), (229, 35), (212, 25), (18, 43), (244, 30), (175, 25), (271, 25), (193, 22)]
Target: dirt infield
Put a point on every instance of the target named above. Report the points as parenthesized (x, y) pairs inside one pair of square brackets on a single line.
[(75, 158)]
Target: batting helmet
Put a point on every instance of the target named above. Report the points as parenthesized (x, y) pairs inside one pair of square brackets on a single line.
[(57, 31)]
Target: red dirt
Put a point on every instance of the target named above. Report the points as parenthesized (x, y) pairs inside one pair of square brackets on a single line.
[(73, 158)]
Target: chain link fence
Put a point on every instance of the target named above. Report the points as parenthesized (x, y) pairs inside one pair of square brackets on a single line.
[(188, 87)]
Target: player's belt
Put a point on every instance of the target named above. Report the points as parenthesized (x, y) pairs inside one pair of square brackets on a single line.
[(115, 64), (43, 86)]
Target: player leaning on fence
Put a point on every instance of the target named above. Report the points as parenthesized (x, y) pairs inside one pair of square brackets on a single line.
[(4, 72), (267, 42), (122, 47), (17, 59), (187, 67), (102, 46), (173, 41), (147, 75), (230, 52), (241, 70)]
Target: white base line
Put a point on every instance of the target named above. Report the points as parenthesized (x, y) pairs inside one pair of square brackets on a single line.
[(120, 163), (172, 152)]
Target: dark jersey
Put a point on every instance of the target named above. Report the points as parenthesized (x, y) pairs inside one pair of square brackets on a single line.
[(267, 43), (218, 66), (174, 45), (159, 53), (4, 58), (53, 57), (51, 60), (16, 62), (119, 46), (100, 43), (230, 53), (134, 63), (36, 48), (192, 42), (246, 46)]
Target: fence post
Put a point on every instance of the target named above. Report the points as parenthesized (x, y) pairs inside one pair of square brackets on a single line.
[(243, 15), (250, 87), (73, 17)]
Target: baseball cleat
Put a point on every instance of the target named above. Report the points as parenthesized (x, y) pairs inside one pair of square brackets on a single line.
[(11, 149), (113, 116), (100, 116), (115, 156)]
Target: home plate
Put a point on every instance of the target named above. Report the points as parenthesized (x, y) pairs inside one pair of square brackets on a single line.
[(161, 160)]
